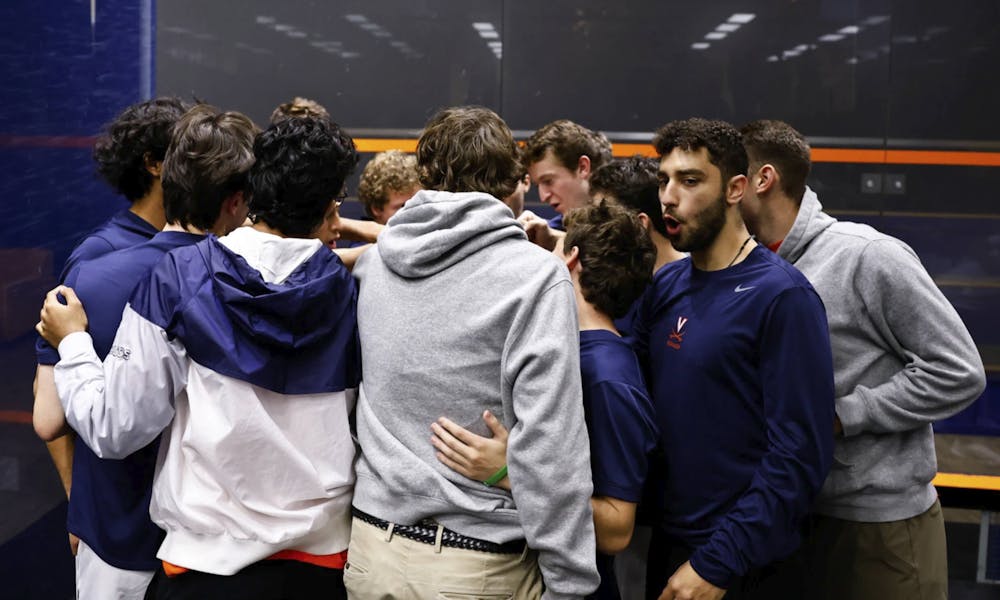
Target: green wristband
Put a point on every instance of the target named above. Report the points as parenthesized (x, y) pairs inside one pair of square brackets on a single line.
[(496, 477)]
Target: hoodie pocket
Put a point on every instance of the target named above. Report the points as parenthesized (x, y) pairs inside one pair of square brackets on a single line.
[(842, 456)]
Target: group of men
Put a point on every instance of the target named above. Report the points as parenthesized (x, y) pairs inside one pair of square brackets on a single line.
[(458, 412)]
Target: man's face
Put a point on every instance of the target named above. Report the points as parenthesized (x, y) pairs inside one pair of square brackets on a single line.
[(561, 188), (693, 198), (396, 201), (328, 230)]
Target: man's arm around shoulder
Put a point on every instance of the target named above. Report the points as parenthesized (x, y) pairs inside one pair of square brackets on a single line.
[(122, 405)]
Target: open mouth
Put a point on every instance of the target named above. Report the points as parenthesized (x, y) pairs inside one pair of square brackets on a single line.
[(672, 224)]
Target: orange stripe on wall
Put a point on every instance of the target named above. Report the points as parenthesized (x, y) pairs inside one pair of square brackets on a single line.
[(15, 416), (47, 141), (847, 155), (859, 155), (633, 149), (820, 155), (907, 157), (928, 157), (959, 480), (843, 155), (383, 144)]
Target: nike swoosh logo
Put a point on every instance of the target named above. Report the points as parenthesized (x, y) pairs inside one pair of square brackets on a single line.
[(740, 288)]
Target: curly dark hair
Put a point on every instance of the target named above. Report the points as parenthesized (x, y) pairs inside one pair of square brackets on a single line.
[(568, 142), (468, 149), (779, 144), (301, 166), (723, 142), (139, 136), (616, 255), (632, 183), (208, 160)]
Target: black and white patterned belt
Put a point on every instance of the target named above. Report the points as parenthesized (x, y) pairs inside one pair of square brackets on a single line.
[(426, 532)]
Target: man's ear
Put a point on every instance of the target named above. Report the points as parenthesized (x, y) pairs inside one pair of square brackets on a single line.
[(647, 223), (766, 179), (572, 258), (234, 203), (155, 167), (583, 167), (735, 188)]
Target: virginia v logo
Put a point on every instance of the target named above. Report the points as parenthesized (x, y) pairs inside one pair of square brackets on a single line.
[(677, 335)]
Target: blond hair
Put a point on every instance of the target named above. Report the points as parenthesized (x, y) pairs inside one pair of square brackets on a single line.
[(390, 171), (299, 107)]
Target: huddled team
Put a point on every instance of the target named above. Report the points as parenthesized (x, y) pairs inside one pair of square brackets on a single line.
[(483, 403)]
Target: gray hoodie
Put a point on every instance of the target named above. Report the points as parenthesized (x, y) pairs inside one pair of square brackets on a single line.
[(902, 359), (458, 313)]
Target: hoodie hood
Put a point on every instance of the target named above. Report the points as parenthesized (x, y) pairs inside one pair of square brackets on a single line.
[(810, 222), (291, 311), (436, 229), (270, 311)]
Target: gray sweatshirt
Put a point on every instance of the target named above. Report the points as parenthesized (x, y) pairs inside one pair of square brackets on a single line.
[(458, 313), (902, 358)]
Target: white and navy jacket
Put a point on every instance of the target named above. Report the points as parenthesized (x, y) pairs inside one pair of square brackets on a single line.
[(243, 352)]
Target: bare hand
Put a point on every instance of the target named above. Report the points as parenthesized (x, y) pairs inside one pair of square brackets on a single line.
[(468, 454), (538, 230), (58, 319), (686, 584), (74, 544)]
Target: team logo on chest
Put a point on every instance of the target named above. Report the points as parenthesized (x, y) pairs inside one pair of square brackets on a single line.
[(677, 335)]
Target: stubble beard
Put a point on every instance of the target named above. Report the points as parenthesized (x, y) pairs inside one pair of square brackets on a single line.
[(702, 231)]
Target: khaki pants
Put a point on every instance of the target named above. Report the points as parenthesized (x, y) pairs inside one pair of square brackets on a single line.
[(385, 567), (898, 560)]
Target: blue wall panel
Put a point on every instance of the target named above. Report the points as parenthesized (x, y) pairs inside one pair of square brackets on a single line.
[(62, 75)]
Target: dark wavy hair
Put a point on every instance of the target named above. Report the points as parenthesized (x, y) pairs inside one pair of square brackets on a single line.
[(616, 255), (633, 183), (468, 149), (139, 136), (301, 166), (568, 142), (779, 144), (723, 142), (208, 160)]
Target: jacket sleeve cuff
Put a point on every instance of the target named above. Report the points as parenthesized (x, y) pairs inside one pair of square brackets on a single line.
[(75, 345), (852, 410), (712, 570)]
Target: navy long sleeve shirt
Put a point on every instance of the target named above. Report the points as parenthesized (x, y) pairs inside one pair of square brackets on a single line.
[(741, 378)]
